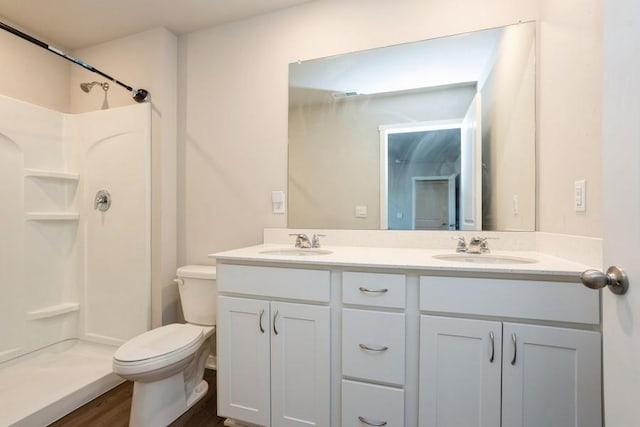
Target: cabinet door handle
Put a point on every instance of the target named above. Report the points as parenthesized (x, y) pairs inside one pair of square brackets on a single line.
[(514, 352), (372, 423), (369, 348), (373, 291), (260, 321), (492, 349), (275, 316)]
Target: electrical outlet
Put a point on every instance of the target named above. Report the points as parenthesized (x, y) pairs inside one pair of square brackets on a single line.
[(361, 211)]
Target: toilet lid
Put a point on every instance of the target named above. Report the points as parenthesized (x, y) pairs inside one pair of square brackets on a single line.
[(158, 342)]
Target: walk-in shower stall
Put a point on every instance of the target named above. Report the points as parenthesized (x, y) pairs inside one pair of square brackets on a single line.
[(74, 253)]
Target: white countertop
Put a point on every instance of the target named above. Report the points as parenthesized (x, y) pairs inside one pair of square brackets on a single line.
[(411, 259)]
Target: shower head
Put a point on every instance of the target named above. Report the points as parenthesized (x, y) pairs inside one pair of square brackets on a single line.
[(86, 87), (139, 95)]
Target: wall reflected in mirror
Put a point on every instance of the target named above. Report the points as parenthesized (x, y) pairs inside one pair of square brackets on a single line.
[(435, 135)]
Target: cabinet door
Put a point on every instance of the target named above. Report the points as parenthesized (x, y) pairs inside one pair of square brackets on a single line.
[(460, 364), (551, 377), (300, 365), (243, 359)]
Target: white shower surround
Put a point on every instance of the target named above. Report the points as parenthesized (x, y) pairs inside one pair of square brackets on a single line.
[(72, 277)]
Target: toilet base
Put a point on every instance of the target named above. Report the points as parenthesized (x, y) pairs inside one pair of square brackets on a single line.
[(159, 403), (198, 393)]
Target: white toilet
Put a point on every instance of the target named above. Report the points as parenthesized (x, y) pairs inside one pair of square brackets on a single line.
[(167, 363)]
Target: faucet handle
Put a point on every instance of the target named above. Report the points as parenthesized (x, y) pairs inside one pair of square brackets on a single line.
[(315, 241), (461, 245), (302, 240), (484, 244)]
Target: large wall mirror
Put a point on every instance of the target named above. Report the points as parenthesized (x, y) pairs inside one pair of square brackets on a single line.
[(431, 135)]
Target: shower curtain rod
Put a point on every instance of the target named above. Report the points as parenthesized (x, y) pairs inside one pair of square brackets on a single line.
[(139, 95)]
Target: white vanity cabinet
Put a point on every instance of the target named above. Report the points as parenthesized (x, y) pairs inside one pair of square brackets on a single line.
[(373, 349), (330, 344), (273, 356), (487, 373)]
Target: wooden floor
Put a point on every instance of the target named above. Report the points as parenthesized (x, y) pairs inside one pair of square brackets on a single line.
[(112, 409)]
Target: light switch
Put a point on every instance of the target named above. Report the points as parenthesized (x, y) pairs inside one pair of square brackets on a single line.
[(580, 196), (516, 205), (278, 202), (361, 211)]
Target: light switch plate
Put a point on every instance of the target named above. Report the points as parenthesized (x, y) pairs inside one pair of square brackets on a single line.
[(278, 202), (580, 196)]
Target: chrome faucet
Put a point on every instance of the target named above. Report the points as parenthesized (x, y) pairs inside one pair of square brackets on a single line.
[(461, 246), (302, 240), (478, 245), (315, 241)]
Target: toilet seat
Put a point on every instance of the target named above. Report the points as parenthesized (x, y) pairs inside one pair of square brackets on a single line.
[(158, 348)]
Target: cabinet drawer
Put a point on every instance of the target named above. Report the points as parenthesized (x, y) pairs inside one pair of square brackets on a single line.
[(291, 283), (527, 299), (369, 404), (373, 289), (373, 345)]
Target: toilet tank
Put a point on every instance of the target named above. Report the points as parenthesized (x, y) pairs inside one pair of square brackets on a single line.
[(198, 293)]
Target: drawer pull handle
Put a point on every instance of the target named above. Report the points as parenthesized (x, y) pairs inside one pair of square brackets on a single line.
[(514, 353), (372, 423), (369, 348), (492, 352), (373, 291), (260, 321), (275, 316)]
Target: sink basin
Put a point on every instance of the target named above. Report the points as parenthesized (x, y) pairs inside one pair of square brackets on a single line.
[(296, 252), (485, 259)]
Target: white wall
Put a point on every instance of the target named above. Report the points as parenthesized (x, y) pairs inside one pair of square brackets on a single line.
[(145, 60), (233, 88), (569, 115), (32, 74)]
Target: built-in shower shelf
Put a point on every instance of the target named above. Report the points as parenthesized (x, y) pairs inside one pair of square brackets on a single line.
[(52, 216), (53, 310), (52, 174)]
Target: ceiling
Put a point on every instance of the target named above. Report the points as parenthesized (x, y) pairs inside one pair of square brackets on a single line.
[(438, 62), (73, 24)]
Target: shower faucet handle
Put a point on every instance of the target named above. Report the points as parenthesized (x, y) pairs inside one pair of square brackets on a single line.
[(102, 202)]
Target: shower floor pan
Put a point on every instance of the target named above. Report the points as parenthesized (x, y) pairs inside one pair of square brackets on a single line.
[(41, 387)]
